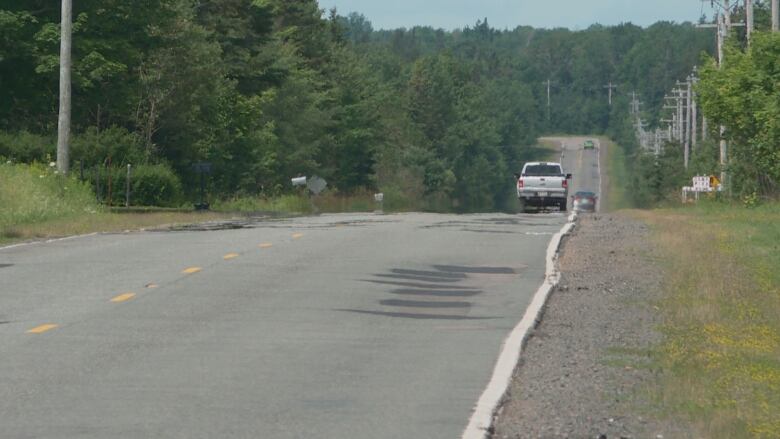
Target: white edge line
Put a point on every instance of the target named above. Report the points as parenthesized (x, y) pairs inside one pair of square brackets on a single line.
[(48, 241), (482, 417)]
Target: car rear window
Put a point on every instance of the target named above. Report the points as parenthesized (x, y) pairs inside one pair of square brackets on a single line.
[(542, 170)]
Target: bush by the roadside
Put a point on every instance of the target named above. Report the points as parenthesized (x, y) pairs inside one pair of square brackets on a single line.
[(150, 185), (94, 147), (282, 204), (25, 147), (35, 193)]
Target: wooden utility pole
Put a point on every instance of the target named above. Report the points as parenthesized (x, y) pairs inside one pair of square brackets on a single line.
[(724, 26), (549, 83), (610, 87), (749, 19), (63, 123), (724, 146), (694, 113), (674, 133), (688, 122), (704, 129)]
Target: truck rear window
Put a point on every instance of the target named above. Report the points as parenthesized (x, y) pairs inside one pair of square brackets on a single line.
[(542, 170)]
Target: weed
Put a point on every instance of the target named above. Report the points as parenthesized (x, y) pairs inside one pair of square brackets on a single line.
[(720, 360)]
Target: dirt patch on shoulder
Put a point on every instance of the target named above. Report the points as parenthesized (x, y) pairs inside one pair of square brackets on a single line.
[(586, 370)]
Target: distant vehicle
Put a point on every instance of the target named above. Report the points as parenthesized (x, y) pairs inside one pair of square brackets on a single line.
[(542, 184), (589, 144), (584, 201)]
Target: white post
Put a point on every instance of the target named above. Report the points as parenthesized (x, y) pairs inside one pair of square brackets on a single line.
[(127, 186), (775, 15), (63, 123)]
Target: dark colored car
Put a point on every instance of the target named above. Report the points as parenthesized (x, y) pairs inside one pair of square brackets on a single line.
[(589, 144), (584, 201)]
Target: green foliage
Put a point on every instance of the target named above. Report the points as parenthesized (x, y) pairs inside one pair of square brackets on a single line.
[(743, 97), (153, 185), (25, 147), (94, 147), (150, 185), (271, 89)]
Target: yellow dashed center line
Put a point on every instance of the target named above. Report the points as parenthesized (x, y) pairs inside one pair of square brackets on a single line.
[(191, 270), (123, 297), (266, 245), (297, 235), (41, 329), (230, 256)]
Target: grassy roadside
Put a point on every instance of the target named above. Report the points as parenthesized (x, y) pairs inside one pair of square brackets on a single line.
[(37, 203), (719, 362), (617, 176), (720, 359)]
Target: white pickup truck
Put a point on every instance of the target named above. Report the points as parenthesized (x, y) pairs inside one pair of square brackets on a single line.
[(542, 184)]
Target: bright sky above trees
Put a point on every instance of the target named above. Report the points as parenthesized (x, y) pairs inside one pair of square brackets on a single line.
[(575, 14)]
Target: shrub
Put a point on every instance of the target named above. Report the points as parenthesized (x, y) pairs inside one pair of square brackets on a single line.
[(25, 147), (94, 147), (150, 185)]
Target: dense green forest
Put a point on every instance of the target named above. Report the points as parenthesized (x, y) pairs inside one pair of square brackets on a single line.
[(271, 89)]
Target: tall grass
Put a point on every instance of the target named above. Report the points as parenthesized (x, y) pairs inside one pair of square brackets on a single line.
[(329, 202), (617, 176), (35, 193), (721, 355)]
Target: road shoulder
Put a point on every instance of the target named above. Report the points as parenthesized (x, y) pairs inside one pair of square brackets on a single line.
[(586, 369)]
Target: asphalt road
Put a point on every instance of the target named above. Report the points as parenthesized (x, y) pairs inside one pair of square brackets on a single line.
[(585, 165), (336, 326)]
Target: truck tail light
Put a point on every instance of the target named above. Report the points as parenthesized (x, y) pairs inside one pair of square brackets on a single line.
[(520, 183), (565, 183)]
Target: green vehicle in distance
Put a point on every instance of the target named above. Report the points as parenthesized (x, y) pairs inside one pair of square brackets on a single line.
[(589, 144)]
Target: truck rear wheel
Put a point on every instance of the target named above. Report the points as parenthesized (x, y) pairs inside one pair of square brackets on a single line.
[(521, 205), (563, 206)]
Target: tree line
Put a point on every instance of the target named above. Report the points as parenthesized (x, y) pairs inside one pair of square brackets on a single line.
[(266, 90), (741, 96)]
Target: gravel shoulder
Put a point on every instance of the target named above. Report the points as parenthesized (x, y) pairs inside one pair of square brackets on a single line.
[(586, 371)]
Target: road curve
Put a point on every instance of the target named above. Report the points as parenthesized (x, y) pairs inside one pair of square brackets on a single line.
[(336, 326)]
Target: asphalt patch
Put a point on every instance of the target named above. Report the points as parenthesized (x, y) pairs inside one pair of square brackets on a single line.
[(428, 273), (424, 304), (417, 285), (436, 293), (419, 278), (475, 270), (415, 316)]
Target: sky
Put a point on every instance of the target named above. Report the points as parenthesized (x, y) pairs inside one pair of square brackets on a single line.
[(574, 14)]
